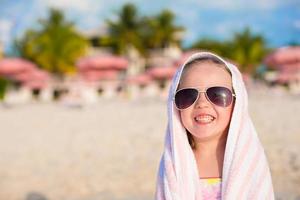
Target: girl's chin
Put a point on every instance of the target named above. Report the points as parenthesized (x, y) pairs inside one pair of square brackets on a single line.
[(205, 136)]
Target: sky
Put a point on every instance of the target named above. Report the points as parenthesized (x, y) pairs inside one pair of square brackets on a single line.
[(277, 20)]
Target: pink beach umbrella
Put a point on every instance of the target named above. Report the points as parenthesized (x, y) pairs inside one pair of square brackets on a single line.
[(96, 75), (36, 84), (287, 77), (102, 62), (290, 67), (162, 72), (24, 71), (283, 56), (140, 79), (31, 75), (34, 79), (9, 66)]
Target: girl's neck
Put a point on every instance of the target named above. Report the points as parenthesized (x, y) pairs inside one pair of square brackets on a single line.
[(209, 155), (211, 146)]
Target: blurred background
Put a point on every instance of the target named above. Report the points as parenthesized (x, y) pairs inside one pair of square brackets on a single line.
[(83, 89)]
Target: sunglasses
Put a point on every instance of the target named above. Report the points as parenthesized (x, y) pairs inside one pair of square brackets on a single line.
[(220, 96)]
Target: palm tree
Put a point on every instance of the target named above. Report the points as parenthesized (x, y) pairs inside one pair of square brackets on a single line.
[(3, 86), (160, 31), (124, 32), (142, 33), (248, 50), (218, 47), (56, 46)]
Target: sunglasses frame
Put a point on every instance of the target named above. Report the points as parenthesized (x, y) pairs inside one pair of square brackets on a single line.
[(203, 91)]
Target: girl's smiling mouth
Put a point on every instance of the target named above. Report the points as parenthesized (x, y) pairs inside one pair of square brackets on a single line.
[(204, 119)]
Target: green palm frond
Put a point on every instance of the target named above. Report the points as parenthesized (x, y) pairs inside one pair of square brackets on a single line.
[(55, 46)]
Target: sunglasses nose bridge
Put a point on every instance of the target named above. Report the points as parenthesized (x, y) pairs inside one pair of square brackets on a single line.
[(201, 92), (202, 98)]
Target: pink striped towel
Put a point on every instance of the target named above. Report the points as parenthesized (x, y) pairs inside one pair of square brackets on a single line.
[(246, 173)]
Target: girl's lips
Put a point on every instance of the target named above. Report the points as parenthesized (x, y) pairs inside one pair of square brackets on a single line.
[(204, 118)]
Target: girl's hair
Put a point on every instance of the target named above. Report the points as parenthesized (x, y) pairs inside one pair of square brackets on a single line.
[(206, 59), (192, 63)]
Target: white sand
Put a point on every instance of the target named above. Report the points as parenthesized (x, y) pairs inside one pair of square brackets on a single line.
[(111, 150)]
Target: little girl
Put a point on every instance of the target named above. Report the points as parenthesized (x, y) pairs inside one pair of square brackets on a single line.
[(211, 147)]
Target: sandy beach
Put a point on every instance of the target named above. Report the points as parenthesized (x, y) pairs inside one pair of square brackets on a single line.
[(111, 150)]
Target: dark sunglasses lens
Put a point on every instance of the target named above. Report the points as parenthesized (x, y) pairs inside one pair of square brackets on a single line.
[(185, 98), (220, 96)]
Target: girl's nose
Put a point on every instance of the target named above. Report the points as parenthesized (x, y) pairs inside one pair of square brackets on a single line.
[(202, 101)]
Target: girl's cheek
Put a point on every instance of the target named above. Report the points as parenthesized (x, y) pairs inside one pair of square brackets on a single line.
[(180, 117)]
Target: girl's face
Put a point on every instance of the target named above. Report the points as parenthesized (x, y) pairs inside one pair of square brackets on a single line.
[(203, 119)]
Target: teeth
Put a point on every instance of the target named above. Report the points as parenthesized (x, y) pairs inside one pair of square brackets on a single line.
[(204, 119)]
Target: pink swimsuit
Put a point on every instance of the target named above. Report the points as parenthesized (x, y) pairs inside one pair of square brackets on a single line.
[(211, 188)]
